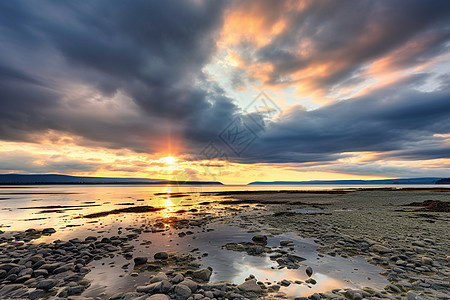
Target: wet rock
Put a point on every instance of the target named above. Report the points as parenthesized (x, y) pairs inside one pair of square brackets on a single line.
[(236, 296), (140, 260), (285, 282), (11, 277), (47, 284), (164, 287), (9, 288), (159, 277), (182, 291), (413, 296), (161, 255), (149, 289), (48, 230), (63, 268), (315, 296), (309, 271), (394, 288), (192, 285), (8, 266), (36, 294), (380, 249), (311, 280), (158, 297), (286, 243), (51, 267), (250, 286), (177, 279), (260, 239), (202, 274), (427, 260)]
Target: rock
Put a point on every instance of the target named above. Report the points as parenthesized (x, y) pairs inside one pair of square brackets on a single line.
[(427, 260), (159, 277), (149, 289), (177, 279), (236, 296), (250, 286), (62, 269), (285, 282), (182, 291), (140, 260), (8, 266), (165, 287), (286, 243), (90, 239), (51, 267), (47, 284), (36, 294), (380, 249), (75, 290), (48, 230), (158, 297), (161, 255), (193, 286), (413, 296), (260, 239), (202, 274), (309, 271), (9, 288), (311, 280), (394, 288)]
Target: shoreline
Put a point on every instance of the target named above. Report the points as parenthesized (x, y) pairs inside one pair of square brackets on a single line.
[(408, 245)]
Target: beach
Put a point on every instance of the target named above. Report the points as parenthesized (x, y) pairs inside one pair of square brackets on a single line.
[(193, 243)]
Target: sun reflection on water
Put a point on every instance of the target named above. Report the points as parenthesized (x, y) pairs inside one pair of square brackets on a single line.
[(169, 204)]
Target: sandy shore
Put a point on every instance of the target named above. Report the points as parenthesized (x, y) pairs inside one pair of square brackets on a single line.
[(175, 256)]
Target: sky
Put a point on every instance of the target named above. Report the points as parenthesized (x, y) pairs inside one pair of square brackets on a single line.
[(233, 91)]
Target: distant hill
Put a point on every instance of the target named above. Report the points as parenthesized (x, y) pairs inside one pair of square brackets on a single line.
[(443, 181), (67, 179), (424, 180)]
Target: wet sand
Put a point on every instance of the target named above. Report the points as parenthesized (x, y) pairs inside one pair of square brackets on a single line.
[(357, 243)]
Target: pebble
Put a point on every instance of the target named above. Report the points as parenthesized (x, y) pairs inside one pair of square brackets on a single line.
[(47, 284), (158, 297), (202, 274), (250, 286), (426, 260), (309, 271), (161, 255), (260, 239), (140, 260), (182, 291)]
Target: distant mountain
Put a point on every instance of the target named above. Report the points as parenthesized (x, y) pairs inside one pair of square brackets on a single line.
[(443, 181), (67, 179), (424, 180)]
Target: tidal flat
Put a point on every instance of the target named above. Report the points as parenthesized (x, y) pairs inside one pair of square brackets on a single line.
[(347, 243)]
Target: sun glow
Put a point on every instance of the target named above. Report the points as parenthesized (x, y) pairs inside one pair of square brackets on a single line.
[(170, 160)]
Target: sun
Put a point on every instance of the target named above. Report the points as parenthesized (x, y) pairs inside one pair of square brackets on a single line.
[(170, 160)]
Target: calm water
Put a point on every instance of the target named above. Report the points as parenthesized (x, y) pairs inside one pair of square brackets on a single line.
[(23, 207)]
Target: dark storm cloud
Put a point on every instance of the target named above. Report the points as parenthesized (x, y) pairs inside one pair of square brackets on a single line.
[(398, 119), (151, 51)]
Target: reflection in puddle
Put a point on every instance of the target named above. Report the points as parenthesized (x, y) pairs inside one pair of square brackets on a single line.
[(329, 272)]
